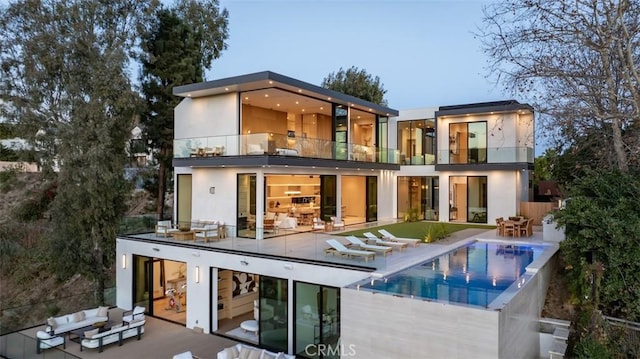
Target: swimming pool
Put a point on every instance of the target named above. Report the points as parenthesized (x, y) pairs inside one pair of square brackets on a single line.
[(475, 274)]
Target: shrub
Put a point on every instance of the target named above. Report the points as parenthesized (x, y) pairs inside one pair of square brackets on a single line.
[(412, 215), (436, 232)]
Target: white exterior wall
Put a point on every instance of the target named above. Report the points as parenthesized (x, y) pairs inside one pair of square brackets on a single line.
[(207, 116), (198, 311)]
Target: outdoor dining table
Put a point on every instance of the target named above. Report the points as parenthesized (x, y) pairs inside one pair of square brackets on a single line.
[(515, 224)]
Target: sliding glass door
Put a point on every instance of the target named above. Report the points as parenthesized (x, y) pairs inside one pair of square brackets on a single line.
[(317, 321)]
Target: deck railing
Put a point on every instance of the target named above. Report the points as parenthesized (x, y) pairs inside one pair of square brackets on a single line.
[(282, 145)]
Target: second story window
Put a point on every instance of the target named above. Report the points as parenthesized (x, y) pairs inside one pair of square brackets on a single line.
[(468, 142), (416, 142)]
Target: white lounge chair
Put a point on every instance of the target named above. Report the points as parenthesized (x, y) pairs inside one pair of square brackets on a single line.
[(209, 232), (372, 237), (387, 235), (342, 250), (369, 247), (165, 228)]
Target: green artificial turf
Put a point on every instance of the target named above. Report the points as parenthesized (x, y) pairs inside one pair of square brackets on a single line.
[(413, 229)]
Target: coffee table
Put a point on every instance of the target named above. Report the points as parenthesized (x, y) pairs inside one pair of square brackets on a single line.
[(184, 236), (250, 326), (101, 326)]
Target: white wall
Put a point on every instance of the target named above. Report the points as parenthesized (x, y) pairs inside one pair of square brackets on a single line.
[(207, 116), (198, 311)]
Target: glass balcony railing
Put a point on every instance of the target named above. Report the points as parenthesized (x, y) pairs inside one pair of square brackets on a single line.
[(280, 145), (486, 155)]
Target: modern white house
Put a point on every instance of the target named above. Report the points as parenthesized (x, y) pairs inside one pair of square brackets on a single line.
[(261, 159)]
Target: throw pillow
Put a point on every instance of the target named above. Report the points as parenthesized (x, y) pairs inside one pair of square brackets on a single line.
[(103, 311), (78, 317), (267, 355), (245, 352), (255, 353), (52, 323), (232, 352), (90, 333)]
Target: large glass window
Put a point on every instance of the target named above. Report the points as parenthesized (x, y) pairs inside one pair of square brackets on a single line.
[(468, 142), (477, 199), (273, 313), (418, 196), (246, 204), (416, 142), (340, 118), (468, 199), (317, 321)]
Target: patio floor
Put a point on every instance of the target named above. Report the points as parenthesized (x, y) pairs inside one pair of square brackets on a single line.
[(161, 339)]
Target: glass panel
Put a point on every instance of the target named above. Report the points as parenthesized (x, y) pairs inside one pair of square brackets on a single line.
[(317, 320), (142, 281), (307, 319), (404, 141), (383, 137), (184, 200), (477, 142), (246, 204), (340, 124), (404, 197), (477, 199), (328, 193), (273, 313), (458, 198), (372, 198), (458, 143)]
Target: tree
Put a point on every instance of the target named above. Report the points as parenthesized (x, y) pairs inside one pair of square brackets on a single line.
[(63, 76), (358, 83), (579, 62), (602, 227), (178, 45)]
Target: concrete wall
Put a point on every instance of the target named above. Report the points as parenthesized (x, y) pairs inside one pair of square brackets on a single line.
[(385, 326), (519, 318), (198, 311)]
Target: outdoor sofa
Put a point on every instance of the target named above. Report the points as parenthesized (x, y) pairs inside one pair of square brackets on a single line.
[(118, 333), (83, 318)]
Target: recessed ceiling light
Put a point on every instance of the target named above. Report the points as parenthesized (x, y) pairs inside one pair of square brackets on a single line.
[(226, 89), (303, 110), (336, 167), (322, 108), (297, 103), (358, 117), (278, 104), (329, 98), (266, 95), (270, 82), (188, 95), (370, 110), (246, 97), (299, 90)]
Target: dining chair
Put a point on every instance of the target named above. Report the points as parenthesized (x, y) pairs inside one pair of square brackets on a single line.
[(499, 227), (508, 228)]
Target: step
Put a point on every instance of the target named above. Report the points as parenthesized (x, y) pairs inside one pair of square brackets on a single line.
[(561, 334), (558, 350)]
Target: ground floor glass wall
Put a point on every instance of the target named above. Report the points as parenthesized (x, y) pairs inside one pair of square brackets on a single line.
[(418, 195), (317, 320), (468, 199), (160, 286), (273, 313)]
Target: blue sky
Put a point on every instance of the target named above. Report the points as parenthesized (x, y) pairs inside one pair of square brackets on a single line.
[(423, 50)]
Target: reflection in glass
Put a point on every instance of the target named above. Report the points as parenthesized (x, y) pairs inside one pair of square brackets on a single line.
[(273, 313), (317, 320)]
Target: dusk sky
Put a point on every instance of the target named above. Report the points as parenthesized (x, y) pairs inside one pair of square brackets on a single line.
[(423, 50)]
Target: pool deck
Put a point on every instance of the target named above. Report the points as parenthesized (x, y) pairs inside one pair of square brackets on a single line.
[(311, 246)]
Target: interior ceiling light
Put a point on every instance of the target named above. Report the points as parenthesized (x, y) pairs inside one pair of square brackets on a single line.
[(246, 97), (299, 90), (329, 98), (226, 89), (270, 82), (266, 95), (188, 95)]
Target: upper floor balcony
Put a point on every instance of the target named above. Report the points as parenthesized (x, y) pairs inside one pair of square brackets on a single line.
[(272, 148), (485, 158)]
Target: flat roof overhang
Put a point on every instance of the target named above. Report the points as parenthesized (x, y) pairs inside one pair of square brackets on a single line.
[(483, 108), (514, 166), (200, 247), (280, 161), (268, 79)]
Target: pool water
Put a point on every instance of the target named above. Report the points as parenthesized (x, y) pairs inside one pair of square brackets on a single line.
[(474, 274)]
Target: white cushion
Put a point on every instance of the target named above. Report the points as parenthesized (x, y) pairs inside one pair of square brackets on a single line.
[(185, 355)]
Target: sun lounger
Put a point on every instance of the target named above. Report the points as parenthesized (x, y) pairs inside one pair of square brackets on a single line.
[(369, 247), (341, 249), (372, 237), (387, 235)]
